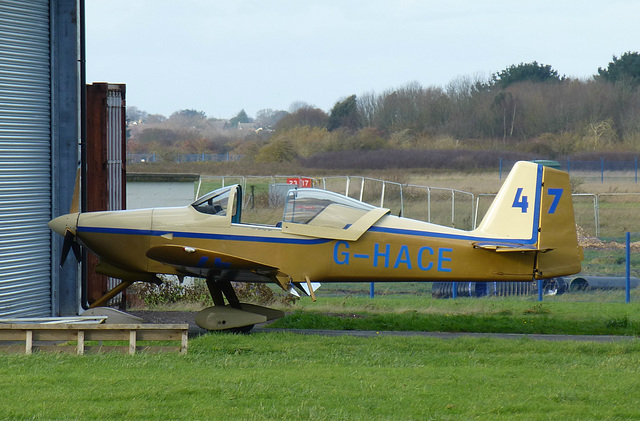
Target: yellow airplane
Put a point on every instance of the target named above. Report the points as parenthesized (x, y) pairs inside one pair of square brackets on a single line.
[(527, 234)]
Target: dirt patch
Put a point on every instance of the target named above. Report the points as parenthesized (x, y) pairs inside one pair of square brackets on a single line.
[(166, 317), (595, 243), (347, 315)]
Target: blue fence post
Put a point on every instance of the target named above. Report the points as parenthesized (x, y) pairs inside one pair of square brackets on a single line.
[(628, 256), (602, 169), (454, 290), (540, 282), (636, 167), (568, 166), (372, 290), (500, 168)]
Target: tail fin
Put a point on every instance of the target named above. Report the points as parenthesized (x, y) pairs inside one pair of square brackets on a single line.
[(557, 232), (533, 211)]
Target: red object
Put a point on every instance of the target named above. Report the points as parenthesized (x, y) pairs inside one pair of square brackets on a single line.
[(300, 182)]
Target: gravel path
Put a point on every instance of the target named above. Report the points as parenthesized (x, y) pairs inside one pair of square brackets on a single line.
[(171, 317)]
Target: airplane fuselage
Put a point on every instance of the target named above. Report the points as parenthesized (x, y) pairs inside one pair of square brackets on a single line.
[(394, 249), (527, 233)]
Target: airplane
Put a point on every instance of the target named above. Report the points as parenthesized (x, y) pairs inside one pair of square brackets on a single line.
[(527, 234)]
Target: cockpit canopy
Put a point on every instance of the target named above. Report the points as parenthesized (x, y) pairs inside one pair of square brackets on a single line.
[(217, 202), (309, 212), (324, 214), (323, 208)]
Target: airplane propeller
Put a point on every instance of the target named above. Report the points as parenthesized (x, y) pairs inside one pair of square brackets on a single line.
[(69, 244), (63, 223)]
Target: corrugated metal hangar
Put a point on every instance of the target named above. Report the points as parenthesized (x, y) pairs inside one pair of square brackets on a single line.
[(41, 72)]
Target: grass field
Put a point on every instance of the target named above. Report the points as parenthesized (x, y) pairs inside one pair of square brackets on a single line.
[(287, 376), (487, 314)]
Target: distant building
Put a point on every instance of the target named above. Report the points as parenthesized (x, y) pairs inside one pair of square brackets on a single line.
[(248, 127), (220, 125)]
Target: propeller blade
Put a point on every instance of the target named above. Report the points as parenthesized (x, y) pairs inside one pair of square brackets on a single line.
[(68, 245), (75, 200)]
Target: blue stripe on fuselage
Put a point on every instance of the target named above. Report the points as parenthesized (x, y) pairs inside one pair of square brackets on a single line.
[(315, 241), (203, 236)]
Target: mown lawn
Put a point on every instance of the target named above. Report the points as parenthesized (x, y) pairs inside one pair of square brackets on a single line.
[(487, 314), (288, 376)]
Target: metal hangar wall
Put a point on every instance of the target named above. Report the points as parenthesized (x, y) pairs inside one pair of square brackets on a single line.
[(40, 76)]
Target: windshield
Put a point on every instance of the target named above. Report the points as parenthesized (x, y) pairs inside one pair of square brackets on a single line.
[(214, 203)]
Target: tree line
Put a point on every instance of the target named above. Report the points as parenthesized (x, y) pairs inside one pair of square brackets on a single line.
[(528, 107)]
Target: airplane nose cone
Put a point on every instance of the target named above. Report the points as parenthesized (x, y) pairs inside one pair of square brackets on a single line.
[(63, 223)]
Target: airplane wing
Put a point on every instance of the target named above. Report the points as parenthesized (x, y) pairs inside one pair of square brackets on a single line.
[(199, 261), (191, 257)]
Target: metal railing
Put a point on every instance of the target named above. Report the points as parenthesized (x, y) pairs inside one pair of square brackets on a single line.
[(374, 191)]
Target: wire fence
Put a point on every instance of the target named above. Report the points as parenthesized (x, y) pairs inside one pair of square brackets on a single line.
[(443, 206), (597, 170), (602, 215), (134, 158), (610, 273), (603, 221)]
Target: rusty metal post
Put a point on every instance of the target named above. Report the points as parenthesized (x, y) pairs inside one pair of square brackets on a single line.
[(105, 166)]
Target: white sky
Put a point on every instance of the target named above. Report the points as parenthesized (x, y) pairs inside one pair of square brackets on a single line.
[(223, 56)]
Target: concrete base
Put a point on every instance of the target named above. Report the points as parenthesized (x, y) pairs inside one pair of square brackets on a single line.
[(114, 316)]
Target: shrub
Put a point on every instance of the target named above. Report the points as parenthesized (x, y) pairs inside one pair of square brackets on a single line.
[(448, 159), (259, 293), (172, 292), (277, 151)]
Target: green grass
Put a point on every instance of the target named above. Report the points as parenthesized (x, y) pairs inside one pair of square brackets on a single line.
[(286, 376), (500, 315), (608, 263)]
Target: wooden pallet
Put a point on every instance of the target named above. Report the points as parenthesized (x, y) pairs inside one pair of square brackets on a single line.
[(72, 338)]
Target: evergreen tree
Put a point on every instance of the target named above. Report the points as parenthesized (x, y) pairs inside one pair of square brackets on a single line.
[(625, 68), (344, 115), (525, 72), (241, 117)]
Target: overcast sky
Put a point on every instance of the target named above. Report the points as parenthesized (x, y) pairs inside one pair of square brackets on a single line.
[(223, 56)]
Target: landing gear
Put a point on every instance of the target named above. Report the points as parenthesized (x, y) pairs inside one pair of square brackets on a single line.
[(235, 316)]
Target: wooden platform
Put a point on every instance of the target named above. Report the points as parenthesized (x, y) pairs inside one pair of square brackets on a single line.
[(73, 337)]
